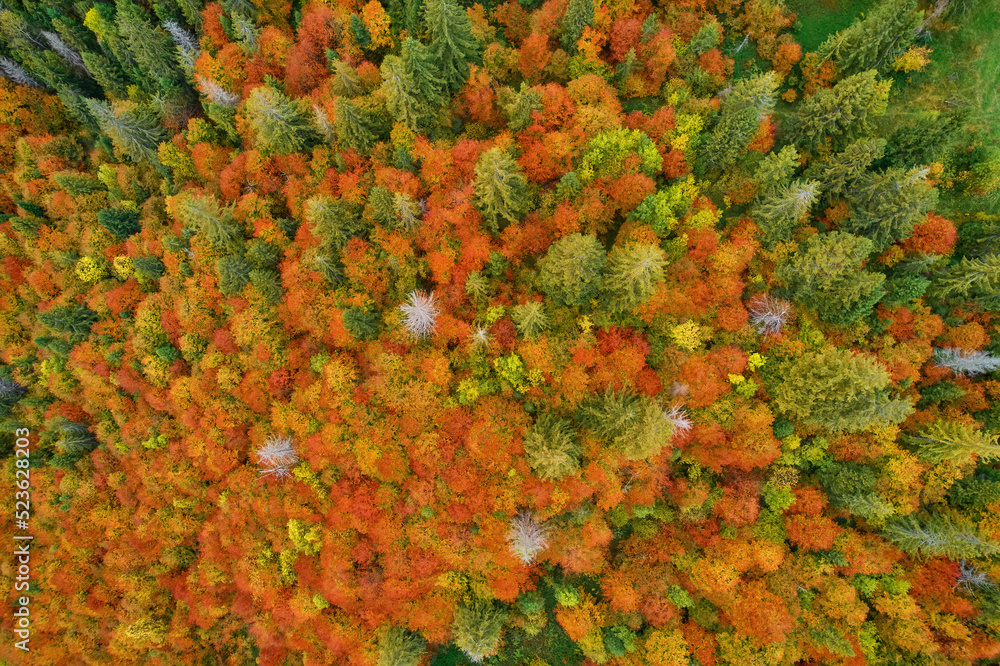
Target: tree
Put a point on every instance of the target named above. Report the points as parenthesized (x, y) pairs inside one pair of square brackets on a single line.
[(965, 362), (530, 319), (571, 270), (838, 173), (955, 442), (152, 47), (972, 278), (398, 647), (73, 319), (551, 447), (526, 537), (420, 314), (936, 534), (500, 189), (281, 125), (134, 130), (778, 213), (632, 274), (353, 126), (120, 222), (277, 456), (635, 425), (332, 220), (827, 276), (875, 41), (775, 171), (842, 112), (768, 314), (401, 95), (477, 628), (234, 273), (518, 106), (579, 15), (419, 64), (751, 100), (452, 43), (836, 390), (362, 323), (884, 207)]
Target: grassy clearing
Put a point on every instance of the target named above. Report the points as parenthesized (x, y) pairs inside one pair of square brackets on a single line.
[(818, 19)]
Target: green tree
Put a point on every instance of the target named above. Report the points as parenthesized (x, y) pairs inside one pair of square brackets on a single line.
[(120, 222), (826, 275), (838, 173), (333, 220), (500, 190), (632, 274), (836, 390), (419, 64), (135, 131), (401, 95), (579, 15), (478, 627), (353, 126), (234, 273), (345, 79), (875, 41), (777, 214), (398, 647), (281, 125), (843, 112), (884, 207), (75, 320), (452, 43), (551, 447), (635, 425), (148, 268), (955, 442), (152, 48), (937, 534), (972, 278), (571, 270), (362, 323), (775, 171), (518, 106), (706, 39), (530, 319)]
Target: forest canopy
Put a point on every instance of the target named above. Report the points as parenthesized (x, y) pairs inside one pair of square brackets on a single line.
[(437, 332)]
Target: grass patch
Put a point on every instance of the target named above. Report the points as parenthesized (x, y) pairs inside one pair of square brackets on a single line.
[(818, 19)]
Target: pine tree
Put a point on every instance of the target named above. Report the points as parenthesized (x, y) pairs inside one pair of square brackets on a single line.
[(518, 106), (530, 319), (775, 171), (955, 442), (634, 425), (836, 390), (936, 535), (838, 173), (73, 319), (452, 45), (398, 647), (571, 271), (353, 127), (777, 214), (551, 447), (827, 276), (281, 125), (500, 190), (884, 207), (632, 274), (135, 131), (120, 222), (875, 41), (477, 628), (420, 314), (419, 64), (152, 48), (579, 15), (843, 112), (972, 278), (234, 273)]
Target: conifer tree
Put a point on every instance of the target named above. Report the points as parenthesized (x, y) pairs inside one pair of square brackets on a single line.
[(120, 222), (500, 189), (333, 220), (518, 106), (632, 274), (352, 125), (875, 41), (838, 173), (401, 95), (551, 447), (972, 278), (579, 15), (281, 125), (477, 628), (571, 271), (527, 537), (234, 273), (530, 319), (733, 133), (843, 112), (634, 425), (452, 45), (398, 647), (75, 320), (775, 171), (135, 131), (419, 63), (827, 276), (936, 534), (965, 362), (837, 390), (778, 213), (884, 207), (956, 442), (152, 48), (345, 79)]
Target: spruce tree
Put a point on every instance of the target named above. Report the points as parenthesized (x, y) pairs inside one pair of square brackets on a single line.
[(398, 647), (452, 45), (353, 127), (135, 131), (843, 112), (839, 173), (632, 274), (875, 41), (775, 171), (530, 319), (937, 534), (827, 276), (956, 442), (500, 190), (884, 207), (120, 222), (75, 320), (518, 106), (973, 278), (552, 448), (401, 95), (151, 46), (635, 425), (777, 214), (477, 628), (419, 64), (836, 390), (281, 125), (572, 269), (579, 15)]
